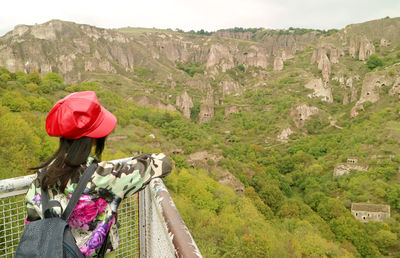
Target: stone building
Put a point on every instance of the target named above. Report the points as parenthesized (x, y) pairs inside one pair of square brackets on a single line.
[(366, 212)]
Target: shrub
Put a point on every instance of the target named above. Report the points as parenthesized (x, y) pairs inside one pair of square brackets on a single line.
[(374, 61)]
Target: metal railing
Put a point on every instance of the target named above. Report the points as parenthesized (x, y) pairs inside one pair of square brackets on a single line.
[(150, 224)]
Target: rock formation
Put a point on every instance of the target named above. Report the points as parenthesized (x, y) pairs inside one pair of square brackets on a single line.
[(325, 66), (366, 49), (278, 63), (324, 49), (354, 95), (230, 88), (345, 99), (334, 56), (301, 113), (199, 84), (254, 56), (220, 55), (284, 135), (320, 90), (354, 110), (230, 110), (395, 90), (206, 109), (143, 100), (384, 42), (353, 48), (349, 82), (370, 87), (234, 35), (184, 103), (227, 179), (343, 169)]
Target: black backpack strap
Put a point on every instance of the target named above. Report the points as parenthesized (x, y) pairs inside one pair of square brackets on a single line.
[(78, 190), (46, 204)]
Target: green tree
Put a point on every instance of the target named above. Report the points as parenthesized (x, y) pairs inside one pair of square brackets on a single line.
[(374, 61), (19, 146), (34, 77), (14, 101)]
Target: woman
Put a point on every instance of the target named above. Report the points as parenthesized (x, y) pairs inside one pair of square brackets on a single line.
[(81, 122)]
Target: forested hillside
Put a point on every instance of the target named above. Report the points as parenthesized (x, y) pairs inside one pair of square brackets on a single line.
[(274, 134)]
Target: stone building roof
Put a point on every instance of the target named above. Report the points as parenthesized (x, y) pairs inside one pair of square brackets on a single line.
[(370, 207)]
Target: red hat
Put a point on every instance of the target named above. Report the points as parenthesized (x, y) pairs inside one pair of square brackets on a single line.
[(80, 114)]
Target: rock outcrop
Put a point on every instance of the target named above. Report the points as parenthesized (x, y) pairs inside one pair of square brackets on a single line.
[(278, 63), (284, 135), (230, 88), (325, 49), (143, 100), (361, 46), (354, 95), (343, 169), (220, 55), (206, 109), (234, 35), (230, 110), (253, 56), (395, 90), (227, 179), (366, 49), (325, 66), (345, 99), (184, 103), (370, 87), (355, 110), (301, 113), (353, 48), (320, 90), (199, 84)]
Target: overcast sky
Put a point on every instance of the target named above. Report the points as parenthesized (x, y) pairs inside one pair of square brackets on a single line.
[(210, 15)]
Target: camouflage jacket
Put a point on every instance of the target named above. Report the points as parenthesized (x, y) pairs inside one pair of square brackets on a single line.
[(95, 214)]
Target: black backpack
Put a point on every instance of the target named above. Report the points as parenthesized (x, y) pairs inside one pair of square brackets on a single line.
[(51, 236)]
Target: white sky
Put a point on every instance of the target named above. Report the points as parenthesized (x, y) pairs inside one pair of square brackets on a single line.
[(210, 15)]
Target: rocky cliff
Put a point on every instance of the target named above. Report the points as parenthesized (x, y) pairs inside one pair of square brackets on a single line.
[(223, 68)]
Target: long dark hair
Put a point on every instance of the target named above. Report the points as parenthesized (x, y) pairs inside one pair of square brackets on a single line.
[(66, 162)]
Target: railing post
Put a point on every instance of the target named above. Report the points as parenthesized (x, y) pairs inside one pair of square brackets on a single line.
[(176, 230)]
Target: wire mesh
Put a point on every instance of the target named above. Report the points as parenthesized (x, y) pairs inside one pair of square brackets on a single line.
[(12, 215), (128, 218), (12, 221)]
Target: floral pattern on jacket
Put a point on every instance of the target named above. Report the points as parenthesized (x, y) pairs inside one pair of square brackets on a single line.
[(95, 214)]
